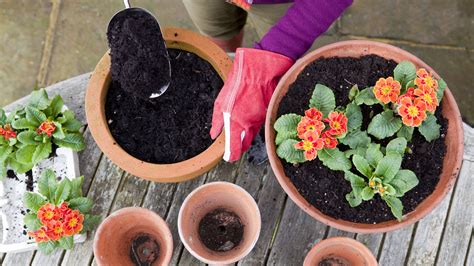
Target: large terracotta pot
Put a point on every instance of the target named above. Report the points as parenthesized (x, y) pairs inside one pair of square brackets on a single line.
[(207, 198), (454, 137), (113, 239), (342, 250), (95, 112)]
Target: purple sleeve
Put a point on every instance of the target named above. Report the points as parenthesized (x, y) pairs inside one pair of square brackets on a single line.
[(303, 22)]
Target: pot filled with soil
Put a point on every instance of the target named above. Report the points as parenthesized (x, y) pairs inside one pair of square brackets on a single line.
[(339, 251), (166, 138), (219, 223), (364, 136), (133, 236)]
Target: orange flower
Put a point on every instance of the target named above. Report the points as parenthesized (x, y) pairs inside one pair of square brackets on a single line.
[(314, 114), (311, 145), (73, 223), (39, 235), (48, 213), (412, 112), (46, 127), (307, 127), (410, 93), (338, 123), (55, 230), (329, 141), (427, 95), (64, 209), (387, 90), (424, 78), (7, 132)]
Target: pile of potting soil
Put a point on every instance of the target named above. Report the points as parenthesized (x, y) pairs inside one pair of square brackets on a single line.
[(221, 230), (326, 189)]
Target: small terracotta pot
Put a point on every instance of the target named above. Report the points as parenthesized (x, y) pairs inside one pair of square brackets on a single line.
[(454, 138), (95, 112), (208, 198), (342, 249), (113, 239)]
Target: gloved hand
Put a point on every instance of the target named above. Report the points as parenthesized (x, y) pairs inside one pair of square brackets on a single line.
[(241, 105)]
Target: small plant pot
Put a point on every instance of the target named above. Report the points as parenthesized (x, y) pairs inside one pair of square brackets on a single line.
[(207, 198), (340, 251), (96, 118), (115, 235), (453, 140)]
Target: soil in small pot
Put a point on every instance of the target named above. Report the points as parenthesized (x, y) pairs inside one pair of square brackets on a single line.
[(326, 189), (333, 261), (173, 127), (144, 250), (221, 230)]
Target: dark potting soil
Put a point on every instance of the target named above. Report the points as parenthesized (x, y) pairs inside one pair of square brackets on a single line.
[(221, 230), (326, 189), (138, 53), (144, 250), (334, 261), (173, 127)]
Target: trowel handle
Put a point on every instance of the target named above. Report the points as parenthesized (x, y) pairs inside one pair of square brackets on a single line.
[(126, 3)]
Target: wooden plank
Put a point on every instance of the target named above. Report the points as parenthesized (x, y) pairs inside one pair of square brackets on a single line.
[(470, 256), (159, 197), (18, 259), (102, 192), (395, 246), (250, 177), (297, 234), (333, 232), (372, 241)]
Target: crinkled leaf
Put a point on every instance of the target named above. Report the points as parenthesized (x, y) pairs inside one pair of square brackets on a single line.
[(74, 141), (42, 151), (397, 145), (33, 201), (406, 132), (404, 72), (404, 181), (367, 193), (32, 222), (5, 151), (90, 222), (82, 204), (287, 151), (58, 132), (357, 183), (430, 128), (47, 247), (76, 187), (55, 107), (3, 170), (353, 200), (360, 150), (47, 184), (19, 168), (334, 159), (28, 137), (356, 139), (23, 123), (366, 96), (66, 242), (390, 190), (34, 116), (72, 125), (388, 167), (323, 99), (3, 117), (384, 125), (373, 154), (362, 165), (63, 191), (354, 117), (441, 87), (25, 154), (39, 99), (285, 127), (353, 92), (395, 205)]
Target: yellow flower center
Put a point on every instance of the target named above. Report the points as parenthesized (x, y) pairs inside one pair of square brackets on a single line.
[(427, 98), (412, 111), (371, 184), (41, 233), (58, 229), (429, 81), (307, 145), (72, 222), (386, 90), (310, 128), (336, 125), (49, 215)]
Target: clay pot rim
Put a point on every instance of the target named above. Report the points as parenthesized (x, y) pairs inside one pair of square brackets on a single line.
[(95, 113), (123, 213), (244, 252), (428, 204), (344, 241)]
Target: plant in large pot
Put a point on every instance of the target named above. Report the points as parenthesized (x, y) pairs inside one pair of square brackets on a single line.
[(364, 160)]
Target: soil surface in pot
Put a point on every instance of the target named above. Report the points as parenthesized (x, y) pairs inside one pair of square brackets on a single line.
[(173, 127), (144, 250), (326, 189), (221, 230), (334, 261)]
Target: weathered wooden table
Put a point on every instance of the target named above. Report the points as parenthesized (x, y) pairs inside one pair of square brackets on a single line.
[(445, 237)]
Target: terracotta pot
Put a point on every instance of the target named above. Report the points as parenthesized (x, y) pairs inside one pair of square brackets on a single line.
[(342, 249), (113, 239), (454, 137), (207, 198), (95, 112)]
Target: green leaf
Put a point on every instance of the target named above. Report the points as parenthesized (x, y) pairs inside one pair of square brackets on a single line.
[(72, 125), (366, 96), (357, 183), (47, 184), (388, 167), (406, 132), (90, 222), (23, 123), (3, 117), (74, 141), (66, 242), (32, 222), (384, 125), (33, 201), (82, 204), (362, 165), (5, 151), (397, 145), (3, 170), (404, 181), (25, 154), (430, 128), (389, 190), (353, 200), (353, 92), (373, 154), (334, 159), (441, 87), (55, 107), (404, 72), (28, 137), (47, 247), (68, 114), (356, 139), (34, 116), (76, 187), (323, 99), (285, 127), (39, 99), (42, 151), (354, 117), (63, 191), (287, 151), (360, 150), (19, 168), (367, 193), (395, 205), (58, 132)]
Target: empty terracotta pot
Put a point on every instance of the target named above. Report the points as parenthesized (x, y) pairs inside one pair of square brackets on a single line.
[(114, 237), (454, 138), (96, 119), (340, 251), (212, 196)]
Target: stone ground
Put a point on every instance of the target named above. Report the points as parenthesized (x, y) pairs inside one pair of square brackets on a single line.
[(46, 41)]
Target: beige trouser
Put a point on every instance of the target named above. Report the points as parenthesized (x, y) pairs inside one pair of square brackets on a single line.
[(221, 20)]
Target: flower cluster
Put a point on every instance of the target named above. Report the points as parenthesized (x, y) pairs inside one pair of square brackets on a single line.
[(7, 132), (57, 221), (46, 127), (310, 131)]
